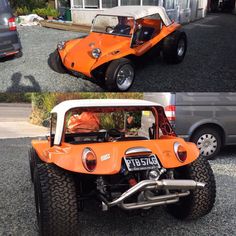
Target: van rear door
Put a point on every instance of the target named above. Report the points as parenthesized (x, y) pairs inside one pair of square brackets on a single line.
[(5, 15)]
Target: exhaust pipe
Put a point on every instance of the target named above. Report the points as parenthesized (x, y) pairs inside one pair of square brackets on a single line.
[(167, 184)]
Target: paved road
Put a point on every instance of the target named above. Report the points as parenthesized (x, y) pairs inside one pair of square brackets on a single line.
[(14, 121), (18, 214), (209, 64)]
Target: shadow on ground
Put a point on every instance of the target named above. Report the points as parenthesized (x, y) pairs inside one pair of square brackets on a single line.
[(18, 87)]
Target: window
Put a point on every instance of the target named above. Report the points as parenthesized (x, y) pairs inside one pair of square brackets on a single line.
[(78, 3), (109, 3), (130, 2), (93, 4), (151, 2), (107, 125), (114, 25), (169, 4)]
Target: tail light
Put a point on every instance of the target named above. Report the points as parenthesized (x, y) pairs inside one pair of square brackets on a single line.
[(89, 159), (180, 152), (12, 24), (170, 112)]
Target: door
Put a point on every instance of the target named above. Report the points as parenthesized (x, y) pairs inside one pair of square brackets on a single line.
[(172, 9), (184, 11)]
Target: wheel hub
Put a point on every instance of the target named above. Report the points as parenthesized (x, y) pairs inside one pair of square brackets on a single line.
[(207, 144), (181, 47), (125, 77)]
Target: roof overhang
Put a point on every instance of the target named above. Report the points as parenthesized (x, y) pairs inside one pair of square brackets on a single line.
[(138, 12), (62, 108)]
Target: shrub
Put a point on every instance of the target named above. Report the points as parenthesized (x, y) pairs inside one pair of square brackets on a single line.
[(30, 4), (15, 97), (52, 12), (40, 11), (22, 11)]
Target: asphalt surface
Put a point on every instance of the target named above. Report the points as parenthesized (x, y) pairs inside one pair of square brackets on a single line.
[(14, 122), (209, 64), (15, 111), (18, 212)]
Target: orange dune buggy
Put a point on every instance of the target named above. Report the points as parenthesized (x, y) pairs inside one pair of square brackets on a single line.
[(117, 36), (103, 150)]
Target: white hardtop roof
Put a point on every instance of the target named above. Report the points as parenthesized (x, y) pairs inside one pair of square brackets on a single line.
[(65, 106), (138, 12)]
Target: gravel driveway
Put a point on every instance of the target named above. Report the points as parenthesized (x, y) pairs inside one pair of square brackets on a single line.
[(209, 64), (18, 213)]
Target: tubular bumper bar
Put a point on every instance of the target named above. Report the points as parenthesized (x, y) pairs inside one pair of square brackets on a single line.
[(150, 201)]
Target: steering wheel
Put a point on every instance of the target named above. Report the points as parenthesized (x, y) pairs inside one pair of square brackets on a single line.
[(109, 29), (113, 134)]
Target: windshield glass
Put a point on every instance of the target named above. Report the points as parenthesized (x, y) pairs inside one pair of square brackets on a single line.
[(109, 125), (114, 25)]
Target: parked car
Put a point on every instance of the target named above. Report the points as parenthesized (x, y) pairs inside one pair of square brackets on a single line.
[(10, 44), (95, 151), (207, 119), (117, 36)]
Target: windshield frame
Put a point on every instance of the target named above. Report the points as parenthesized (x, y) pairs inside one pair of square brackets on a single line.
[(125, 109)]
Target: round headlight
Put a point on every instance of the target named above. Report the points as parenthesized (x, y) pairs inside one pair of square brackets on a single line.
[(180, 152), (89, 159), (61, 45), (96, 52)]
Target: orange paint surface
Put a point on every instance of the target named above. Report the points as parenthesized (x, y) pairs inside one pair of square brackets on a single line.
[(77, 55), (110, 154)]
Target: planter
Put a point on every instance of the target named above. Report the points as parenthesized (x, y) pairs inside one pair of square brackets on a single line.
[(50, 17)]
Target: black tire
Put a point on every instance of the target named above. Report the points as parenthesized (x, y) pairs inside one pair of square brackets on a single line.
[(170, 47), (214, 147), (111, 77), (33, 161), (201, 201), (56, 201), (55, 63)]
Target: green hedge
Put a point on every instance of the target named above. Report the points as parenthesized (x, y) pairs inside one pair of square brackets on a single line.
[(15, 97), (28, 4)]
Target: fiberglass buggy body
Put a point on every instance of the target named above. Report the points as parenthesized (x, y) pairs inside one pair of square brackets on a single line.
[(102, 150), (118, 36)]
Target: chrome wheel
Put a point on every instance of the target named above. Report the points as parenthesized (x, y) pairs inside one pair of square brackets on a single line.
[(181, 47), (207, 144), (125, 77)]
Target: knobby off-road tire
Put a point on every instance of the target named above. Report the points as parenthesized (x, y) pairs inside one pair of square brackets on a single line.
[(172, 44), (200, 201), (56, 201), (210, 135), (33, 161), (55, 63), (119, 75)]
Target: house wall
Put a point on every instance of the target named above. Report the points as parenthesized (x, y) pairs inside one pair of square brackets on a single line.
[(182, 11), (83, 17)]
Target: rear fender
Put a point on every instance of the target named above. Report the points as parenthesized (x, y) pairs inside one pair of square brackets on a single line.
[(110, 155)]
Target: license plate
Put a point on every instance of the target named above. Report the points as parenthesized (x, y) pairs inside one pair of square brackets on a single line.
[(141, 163)]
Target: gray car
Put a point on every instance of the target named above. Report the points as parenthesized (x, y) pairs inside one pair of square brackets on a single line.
[(10, 44), (207, 119)]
